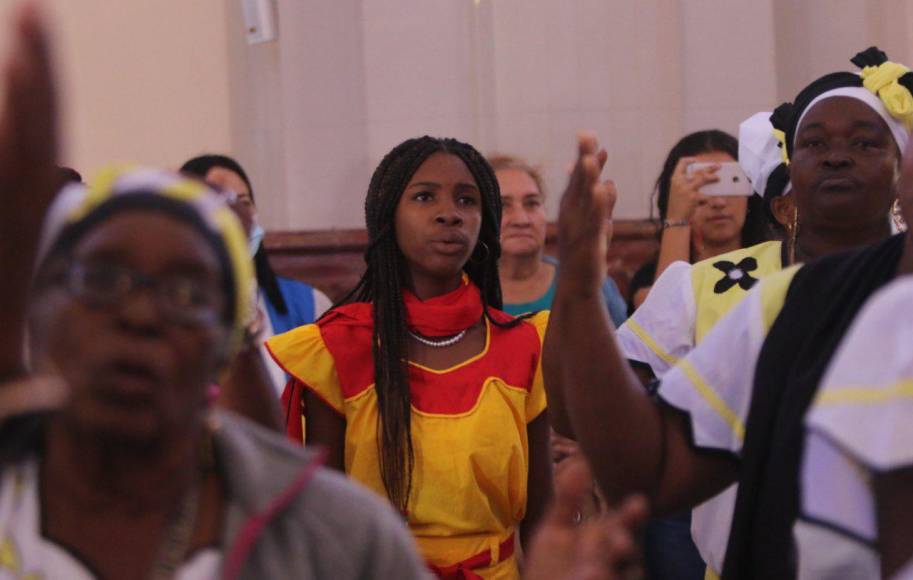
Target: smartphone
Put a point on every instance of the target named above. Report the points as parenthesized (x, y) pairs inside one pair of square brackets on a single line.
[(733, 180)]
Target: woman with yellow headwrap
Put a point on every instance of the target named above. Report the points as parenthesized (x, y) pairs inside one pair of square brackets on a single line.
[(731, 409)]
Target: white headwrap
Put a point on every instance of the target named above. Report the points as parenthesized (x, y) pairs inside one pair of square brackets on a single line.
[(898, 130), (759, 151)]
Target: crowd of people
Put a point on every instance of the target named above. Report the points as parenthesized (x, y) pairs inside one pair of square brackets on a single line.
[(472, 408)]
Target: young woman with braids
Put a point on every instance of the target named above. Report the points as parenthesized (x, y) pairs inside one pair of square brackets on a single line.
[(420, 387), (732, 409)]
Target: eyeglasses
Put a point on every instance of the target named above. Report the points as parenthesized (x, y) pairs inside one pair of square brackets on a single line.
[(180, 298)]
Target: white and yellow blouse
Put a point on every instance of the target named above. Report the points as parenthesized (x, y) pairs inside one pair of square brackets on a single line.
[(860, 422), (685, 303)]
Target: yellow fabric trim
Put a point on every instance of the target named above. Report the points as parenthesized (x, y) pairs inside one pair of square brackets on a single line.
[(713, 399), (222, 219), (9, 556), (98, 190), (302, 353), (236, 243), (648, 340), (488, 384), (781, 137), (540, 321), (466, 490), (882, 80), (185, 190), (866, 395), (773, 294), (465, 362), (711, 307)]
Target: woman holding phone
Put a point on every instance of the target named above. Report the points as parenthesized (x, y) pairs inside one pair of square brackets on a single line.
[(696, 226)]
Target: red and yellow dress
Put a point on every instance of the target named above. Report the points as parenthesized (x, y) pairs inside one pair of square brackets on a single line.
[(469, 422)]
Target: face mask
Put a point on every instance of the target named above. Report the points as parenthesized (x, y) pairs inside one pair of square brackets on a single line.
[(255, 238)]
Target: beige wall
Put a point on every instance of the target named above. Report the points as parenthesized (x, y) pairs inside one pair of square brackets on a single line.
[(815, 37), (311, 114), (144, 80)]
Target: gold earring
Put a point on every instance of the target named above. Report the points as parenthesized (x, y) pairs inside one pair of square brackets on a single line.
[(793, 230), (897, 217)]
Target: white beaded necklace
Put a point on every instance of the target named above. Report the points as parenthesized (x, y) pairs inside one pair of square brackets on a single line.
[(440, 343)]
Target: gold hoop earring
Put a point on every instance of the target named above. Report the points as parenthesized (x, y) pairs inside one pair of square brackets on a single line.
[(900, 224), (486, 253), (793, 230)]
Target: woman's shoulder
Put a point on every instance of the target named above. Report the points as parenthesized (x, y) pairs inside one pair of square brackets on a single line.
[(292, 285), (525, 332)]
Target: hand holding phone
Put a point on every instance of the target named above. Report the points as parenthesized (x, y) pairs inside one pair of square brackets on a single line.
[(731, 181)]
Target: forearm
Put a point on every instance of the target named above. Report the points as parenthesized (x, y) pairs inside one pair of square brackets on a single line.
[(554, 377), (539, 479), (674, 246), (326, 428), (248, 390), (617, 425)]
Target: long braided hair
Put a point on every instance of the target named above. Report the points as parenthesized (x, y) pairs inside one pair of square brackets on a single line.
[(384, 280)]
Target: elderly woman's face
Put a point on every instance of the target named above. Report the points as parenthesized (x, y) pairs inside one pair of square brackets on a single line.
[(523, 223), (138, 360)]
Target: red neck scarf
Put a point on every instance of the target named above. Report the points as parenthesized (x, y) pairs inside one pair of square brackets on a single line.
[(444, 315)]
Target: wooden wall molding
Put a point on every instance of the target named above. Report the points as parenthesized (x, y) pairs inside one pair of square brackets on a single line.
[(332, 260)]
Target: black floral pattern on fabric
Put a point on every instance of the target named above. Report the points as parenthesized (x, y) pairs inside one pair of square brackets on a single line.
[(735, 274)]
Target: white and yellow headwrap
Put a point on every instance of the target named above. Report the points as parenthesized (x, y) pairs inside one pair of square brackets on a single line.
[(77, 204), (761, 156), (885, 86)]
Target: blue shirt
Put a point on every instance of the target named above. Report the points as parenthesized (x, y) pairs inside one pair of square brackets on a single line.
[(618, 309)]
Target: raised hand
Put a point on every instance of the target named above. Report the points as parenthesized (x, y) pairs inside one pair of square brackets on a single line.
[(29, 177), (28, 128), (602, 548), (583, 222), (684, 188)]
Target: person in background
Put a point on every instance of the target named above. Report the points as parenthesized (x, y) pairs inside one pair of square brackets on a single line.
[(287, 303), (528, 275), (640, 285), (696, 226)]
